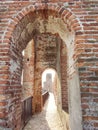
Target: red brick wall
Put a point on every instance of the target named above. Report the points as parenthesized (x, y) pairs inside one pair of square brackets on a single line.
[(64, 76), (85, 55)]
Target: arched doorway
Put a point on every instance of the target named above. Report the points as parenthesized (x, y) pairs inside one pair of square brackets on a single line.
[(48, 80), (51, 83), (34, 24)]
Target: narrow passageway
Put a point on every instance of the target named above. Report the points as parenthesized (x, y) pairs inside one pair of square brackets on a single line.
[(48, 119)]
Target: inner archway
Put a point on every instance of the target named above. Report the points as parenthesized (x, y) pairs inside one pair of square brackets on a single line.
[(51, 83), (48, 80)]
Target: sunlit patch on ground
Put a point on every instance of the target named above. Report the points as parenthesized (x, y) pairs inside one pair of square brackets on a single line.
[(48, 119)]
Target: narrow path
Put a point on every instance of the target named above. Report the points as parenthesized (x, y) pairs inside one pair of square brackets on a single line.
[(48, 119)]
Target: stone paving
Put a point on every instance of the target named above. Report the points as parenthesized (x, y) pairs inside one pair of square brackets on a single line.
[(48, 119)]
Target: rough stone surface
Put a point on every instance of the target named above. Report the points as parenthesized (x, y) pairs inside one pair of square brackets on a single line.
[(28, 70)]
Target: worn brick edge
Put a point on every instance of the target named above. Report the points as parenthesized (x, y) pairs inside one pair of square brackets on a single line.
[(66, 15)]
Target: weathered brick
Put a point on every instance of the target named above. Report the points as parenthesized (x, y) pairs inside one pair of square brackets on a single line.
[(84, 25)]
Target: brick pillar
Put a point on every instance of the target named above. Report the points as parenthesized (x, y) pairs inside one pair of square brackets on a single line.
[(64, 87), (5, 97), (10, 89)]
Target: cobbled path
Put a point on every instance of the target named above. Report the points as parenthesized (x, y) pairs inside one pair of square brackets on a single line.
[(48, 119)]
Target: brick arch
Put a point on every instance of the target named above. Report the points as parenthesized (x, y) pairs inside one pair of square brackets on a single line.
[(46, 68), (66, 14)]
